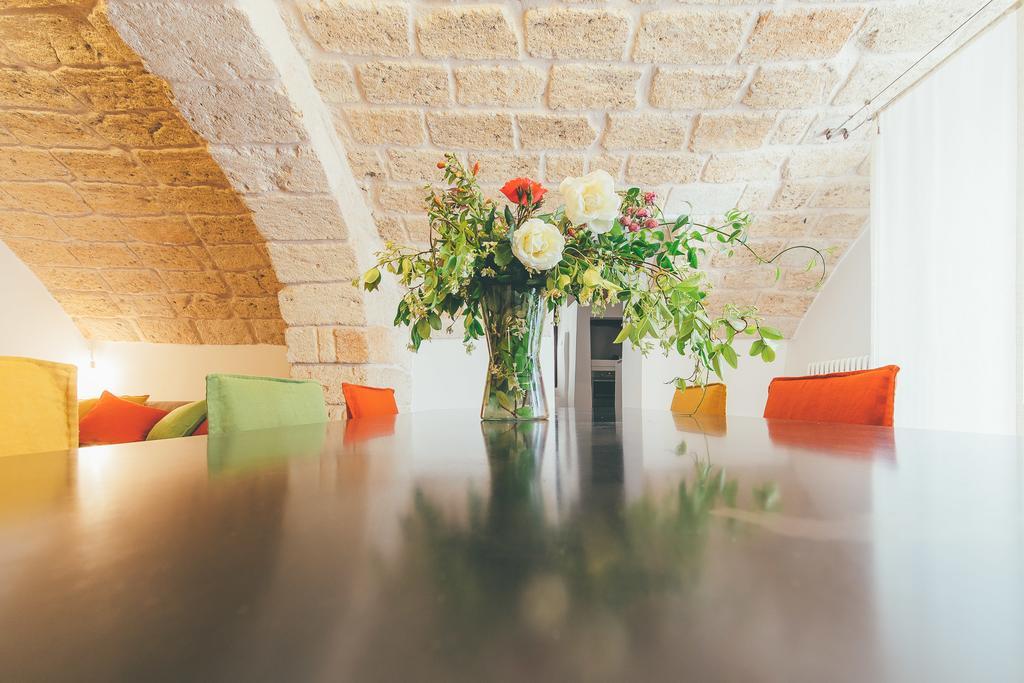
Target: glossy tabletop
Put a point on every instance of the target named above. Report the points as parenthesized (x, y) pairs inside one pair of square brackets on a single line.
[(430, 547)]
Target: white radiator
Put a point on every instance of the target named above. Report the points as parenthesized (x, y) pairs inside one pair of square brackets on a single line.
[(838, 365)]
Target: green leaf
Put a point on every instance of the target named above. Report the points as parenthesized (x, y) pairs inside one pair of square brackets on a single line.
[(770, 332), (624, 334), (423, 328), (509, 219), (685, 327), (372, 275), (435, 321), (767, 354), (729, 354), (503, 255), (755, 348)]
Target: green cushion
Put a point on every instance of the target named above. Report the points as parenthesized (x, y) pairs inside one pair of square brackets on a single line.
[(239, 402), (181, 421)]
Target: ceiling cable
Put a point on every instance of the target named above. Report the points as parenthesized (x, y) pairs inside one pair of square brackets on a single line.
[(842, 131)]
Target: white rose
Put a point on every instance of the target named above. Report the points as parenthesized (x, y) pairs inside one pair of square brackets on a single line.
[(591, 200), (538, 245)]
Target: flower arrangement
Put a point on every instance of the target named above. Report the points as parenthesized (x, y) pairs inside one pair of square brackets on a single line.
[(499, 269)]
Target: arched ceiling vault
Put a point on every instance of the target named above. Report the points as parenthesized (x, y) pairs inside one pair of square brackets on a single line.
[(112, 199)]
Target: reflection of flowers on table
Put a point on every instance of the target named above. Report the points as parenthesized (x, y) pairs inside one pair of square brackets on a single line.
[(508, 571)]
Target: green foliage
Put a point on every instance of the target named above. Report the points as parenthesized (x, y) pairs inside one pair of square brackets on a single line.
[(654, 272)]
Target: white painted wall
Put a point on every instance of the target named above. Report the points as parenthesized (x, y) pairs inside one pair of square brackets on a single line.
[(176, 372), (747, 386), (1020, 221), (444, 376), (838, 324), (565, 393), (36, 326)]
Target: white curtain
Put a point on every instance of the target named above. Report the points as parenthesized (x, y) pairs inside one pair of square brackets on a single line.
[(944, 244)]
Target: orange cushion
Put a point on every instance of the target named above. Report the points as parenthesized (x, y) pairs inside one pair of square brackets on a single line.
[(203, 428), (87, 404), (859, 397), (368, 401), (115, 420)]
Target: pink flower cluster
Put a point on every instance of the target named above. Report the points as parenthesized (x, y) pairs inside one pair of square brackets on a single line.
[(636, 218)]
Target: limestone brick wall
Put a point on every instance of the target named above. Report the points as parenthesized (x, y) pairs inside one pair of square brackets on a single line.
[(712, 104), (110, 196)]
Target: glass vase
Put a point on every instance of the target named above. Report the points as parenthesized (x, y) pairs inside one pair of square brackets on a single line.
[(513, 324)]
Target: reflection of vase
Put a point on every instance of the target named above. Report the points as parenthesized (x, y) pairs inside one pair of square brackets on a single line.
[(513, 321), (515, 452), (521, 444)]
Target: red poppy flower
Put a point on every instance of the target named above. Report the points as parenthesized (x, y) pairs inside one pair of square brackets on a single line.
[(522, 190)]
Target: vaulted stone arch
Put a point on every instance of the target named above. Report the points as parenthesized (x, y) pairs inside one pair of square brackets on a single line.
[(240, 83), (170, 177), (111, 198)]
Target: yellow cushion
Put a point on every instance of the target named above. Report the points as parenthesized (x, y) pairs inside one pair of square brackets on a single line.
[(708, 400), (38, 406), (87, 404)]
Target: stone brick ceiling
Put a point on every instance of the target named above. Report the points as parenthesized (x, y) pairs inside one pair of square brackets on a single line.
[(715, 105), (112, 199), (166, 202)]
